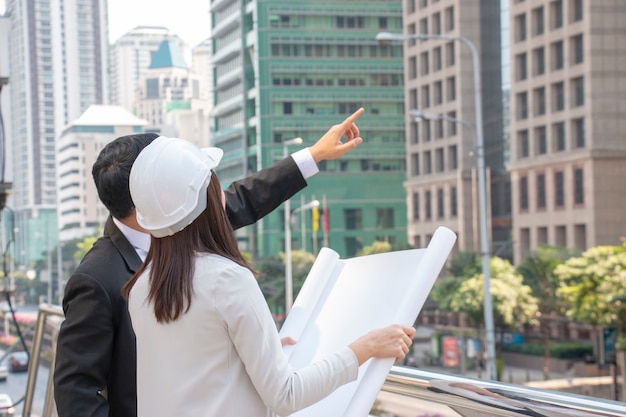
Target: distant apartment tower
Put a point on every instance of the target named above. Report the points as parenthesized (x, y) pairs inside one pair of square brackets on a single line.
[(169, 87), (58, 68), (80, 212), (286, 69), (567, 125), (441, 182), (130, 58)]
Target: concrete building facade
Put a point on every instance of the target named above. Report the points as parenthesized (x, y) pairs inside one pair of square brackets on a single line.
[(441, 182), (568, 84)]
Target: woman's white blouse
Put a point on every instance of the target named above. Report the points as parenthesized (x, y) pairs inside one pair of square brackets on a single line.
[(223, 357)]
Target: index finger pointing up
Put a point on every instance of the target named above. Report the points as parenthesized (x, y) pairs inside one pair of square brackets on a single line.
[(352, 118)]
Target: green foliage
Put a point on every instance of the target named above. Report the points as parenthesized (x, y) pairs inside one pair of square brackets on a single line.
[(512, 300), (462, 266), (557, 350), (376, 247), (594, 284), (83, 246)]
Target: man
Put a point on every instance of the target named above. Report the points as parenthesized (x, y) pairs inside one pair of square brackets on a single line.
[(95, 373)]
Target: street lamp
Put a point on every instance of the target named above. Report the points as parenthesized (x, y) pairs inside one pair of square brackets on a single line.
[(386, 37), (288, 283), (288, 265)]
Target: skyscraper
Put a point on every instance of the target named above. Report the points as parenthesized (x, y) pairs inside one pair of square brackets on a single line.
[(130, 58), (441, 182), (286, 69), (58, 68)]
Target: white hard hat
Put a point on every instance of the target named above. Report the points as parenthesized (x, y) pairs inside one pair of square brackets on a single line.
[(168, 183)]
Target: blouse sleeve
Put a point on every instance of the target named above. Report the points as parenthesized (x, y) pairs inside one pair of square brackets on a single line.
[(254, 335)]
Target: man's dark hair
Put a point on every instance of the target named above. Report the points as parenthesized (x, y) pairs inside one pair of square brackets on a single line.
[(111, 172)]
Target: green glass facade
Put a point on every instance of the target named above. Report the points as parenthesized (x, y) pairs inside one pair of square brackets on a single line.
[(293, 69)]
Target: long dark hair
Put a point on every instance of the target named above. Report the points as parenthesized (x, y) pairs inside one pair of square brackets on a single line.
[(172, 257)]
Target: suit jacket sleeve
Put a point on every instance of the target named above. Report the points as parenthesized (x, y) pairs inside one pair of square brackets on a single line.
[(253, 197), (83, 350)]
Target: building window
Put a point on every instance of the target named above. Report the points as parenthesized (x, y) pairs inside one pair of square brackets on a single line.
[(354, 245), (438, 92), (424, 65), (416, 206), (439, 160), (436, 20), (521, 67), (577, 91), (437, 60), (576, 49), (539, 97), (415, 164), (556, 14), (449, 18), (537, 23), (427, 206), (520, 28), (450, 54), (580, 237), (557, 56), (410, 6), (451, 88), (558, 96), (414, 132), (539, 61), (384, 218), (558, 133), (454, 209), (412, 67), (440, 203), (524, 145), (452, 123), (578, 132), (559, 189), (523, 193), (423, 25), (522, 106), (541, 140), (579, 191), (453, 163), (425, 96), (576, 6), (353, 219), (427, 163), (560, 236), (439, 129), (541, 191)]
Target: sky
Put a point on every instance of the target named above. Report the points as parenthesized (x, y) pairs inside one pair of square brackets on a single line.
[(188, 19)]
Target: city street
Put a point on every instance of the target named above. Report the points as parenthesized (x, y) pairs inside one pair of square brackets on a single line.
[(15, 386)]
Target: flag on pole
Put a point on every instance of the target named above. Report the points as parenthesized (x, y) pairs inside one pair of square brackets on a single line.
[(315, 218), (325, 220)]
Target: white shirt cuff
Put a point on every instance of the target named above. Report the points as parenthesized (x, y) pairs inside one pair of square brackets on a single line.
[(305, 162)]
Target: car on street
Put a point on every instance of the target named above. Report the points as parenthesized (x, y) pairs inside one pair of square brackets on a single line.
[(6, 406), (4, 372), (18, 361)]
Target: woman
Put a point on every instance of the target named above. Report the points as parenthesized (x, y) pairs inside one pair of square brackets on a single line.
[(206, 342)]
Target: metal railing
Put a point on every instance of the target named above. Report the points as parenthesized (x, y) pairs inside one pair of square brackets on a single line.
[(462, 396)]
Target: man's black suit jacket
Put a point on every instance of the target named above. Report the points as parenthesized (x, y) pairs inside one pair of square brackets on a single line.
[(95, 373)]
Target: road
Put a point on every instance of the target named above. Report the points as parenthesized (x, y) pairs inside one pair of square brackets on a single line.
[(15, 386)]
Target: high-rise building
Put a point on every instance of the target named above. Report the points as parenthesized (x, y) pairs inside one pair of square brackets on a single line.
[(442, 183), (80, 212), (168, 96), (58, 68), (286, 69), (567, 123), (130, 58)]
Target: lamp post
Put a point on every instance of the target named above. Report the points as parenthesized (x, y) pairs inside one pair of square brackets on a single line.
[(385, 37), (288, 264), (287, 208)]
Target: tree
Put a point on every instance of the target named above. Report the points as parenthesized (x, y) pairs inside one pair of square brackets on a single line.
[(594, 287), (462, 266), (538, 272), (376, 247), (83, 246)]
